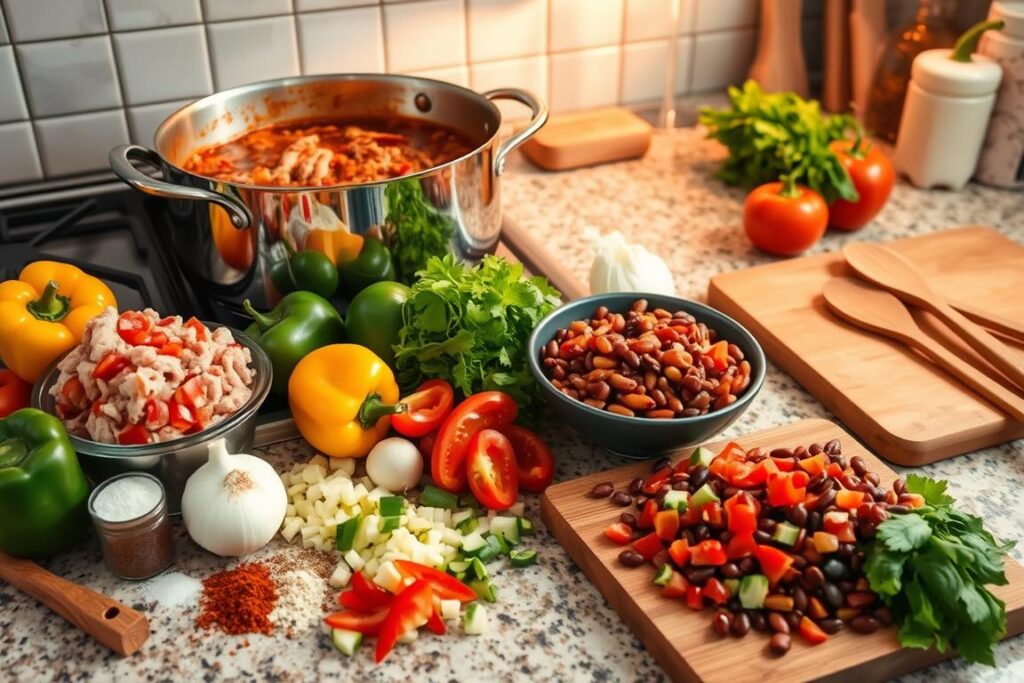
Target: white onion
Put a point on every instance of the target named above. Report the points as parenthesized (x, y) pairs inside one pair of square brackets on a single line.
[(395, 464), (623, 267)]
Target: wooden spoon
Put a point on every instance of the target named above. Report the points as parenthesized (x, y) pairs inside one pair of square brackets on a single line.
[(1010, 329), (112, 623), (889, 270), (878, 311)]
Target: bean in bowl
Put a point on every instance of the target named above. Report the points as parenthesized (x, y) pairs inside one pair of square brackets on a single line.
[(646, 363)]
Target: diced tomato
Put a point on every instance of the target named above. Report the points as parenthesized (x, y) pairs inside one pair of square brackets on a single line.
[(171, 349), (157, 339), (367, 623), (719, 353), (811, 632), (784, 464), (715, 591), (444, 586), (132, 435), (786, 489), (834, 470), (410, 610), (712, 514), (155, 412), (191, 393), (774, 562), (914, 500), (619, 532), (164, 322), (647, 515), (741, 545), (825, 542), (648, 546), (692, 515), (676, 586), (679, 551), (742, 474), (109, 366), (666, 525), (708, 553), (180, 416), (73, 392), (370, 592), (194, 324), (814, 465), (655, 481), (849, 500), (816, 608), (133, 327), (97, 407), (741, 511), (693, 597), (838, 523)]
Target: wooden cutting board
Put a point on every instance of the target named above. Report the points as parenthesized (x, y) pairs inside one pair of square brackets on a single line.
[(681, 640), (907, 409)]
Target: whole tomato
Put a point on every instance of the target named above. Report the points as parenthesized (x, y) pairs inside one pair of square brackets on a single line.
[(872, 175), (784, 218)]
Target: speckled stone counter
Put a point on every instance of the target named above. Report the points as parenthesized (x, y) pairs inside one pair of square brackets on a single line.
[(550, 623)]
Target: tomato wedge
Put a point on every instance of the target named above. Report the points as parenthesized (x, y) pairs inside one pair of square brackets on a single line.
[(133, 435), (410, 610), (445, 586), (425, 409), (536, 464), (493, 475), (486, 410), (133, 327), (367, 623), (109, 366)]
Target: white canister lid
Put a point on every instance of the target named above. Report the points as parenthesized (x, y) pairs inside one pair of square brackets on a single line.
[(1011, 13), (933, 71)]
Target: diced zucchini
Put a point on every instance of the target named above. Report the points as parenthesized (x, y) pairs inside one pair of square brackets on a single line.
[(476, 619), (522, 558), (785, 533), (468, 525), (704, 495), (389, 524), (479, 570), (438, 498), (456, 566), (484, 589), (461, 515), (450, 609), (341, 576), (701, 457), (675, 500), (388, 577), (663, 576), (491, 551), (753, 589), (345, 537), (391, 506), (473, 544), (526, 527), (346, 642), (354, 560), (503, 546), (507, 528)]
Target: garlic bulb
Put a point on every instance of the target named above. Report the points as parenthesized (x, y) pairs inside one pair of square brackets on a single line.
[(234, 504), (623, 267)]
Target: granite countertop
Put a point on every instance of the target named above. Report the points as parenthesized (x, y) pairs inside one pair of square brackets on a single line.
[(550, 623)]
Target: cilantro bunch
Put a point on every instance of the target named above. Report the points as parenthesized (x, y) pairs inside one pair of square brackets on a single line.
[(415, 230), (771, 135), (931, 567), (470, 326)]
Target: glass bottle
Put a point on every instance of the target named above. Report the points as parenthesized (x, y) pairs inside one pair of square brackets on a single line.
[(934, 27), (136, 548)]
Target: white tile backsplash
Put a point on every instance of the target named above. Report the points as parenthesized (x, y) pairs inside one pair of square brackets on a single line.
[(648, 19), (79, 143), (130, 15), (722, 59), (502, 29), (45, 19), (348, 40), (644, 66), (459, 75), (19, 162), (529, 73), (585, 79), (578, 24), (161, 65), (719, 15), (312, 5), (65, 76), (12, 104), (425, 35), (143, 121), (254, 50), (223, 10)]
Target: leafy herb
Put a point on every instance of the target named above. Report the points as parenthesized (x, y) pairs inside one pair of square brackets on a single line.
[(415, 230), (931, 567), (771, 135), (470, 327)]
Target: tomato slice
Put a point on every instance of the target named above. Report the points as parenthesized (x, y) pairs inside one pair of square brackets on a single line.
[(493, 474), (367, 623), (109, 366), (132, 435), (194, 324), (445, 586), (536, 464), (486, 410), (410, 610), (133, 327), (425, 410)]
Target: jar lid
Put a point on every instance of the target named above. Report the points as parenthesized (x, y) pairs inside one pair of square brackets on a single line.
[(1011, 12), (934, 72)]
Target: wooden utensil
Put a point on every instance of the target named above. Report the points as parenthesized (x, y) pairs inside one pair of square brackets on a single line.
[(112, 623), (876, 310), (681, 640), (992, 322), (891, 271)]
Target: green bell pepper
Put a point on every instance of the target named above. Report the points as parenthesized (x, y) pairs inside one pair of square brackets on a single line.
[(43, 493), (373, 264), (301, 322), (306, 270), (375, 318)]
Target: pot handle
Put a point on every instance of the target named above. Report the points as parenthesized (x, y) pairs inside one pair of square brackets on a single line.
[(540, 117), (120, 162)]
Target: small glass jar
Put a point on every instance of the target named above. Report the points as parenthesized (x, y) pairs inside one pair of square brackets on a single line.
[(137, 548)]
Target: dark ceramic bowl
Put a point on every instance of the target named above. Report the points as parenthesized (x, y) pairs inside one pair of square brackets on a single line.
[(640, 437)]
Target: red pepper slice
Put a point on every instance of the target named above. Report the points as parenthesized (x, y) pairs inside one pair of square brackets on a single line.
[(648, 546), (646, 520), (410, 610), (786, 489), (367, 623), (834, 470), (740, 546), (715, 591), (679, 551), (666, 525), (424, 410), (619, 532), (784, 464), (741, 512), (133, 434), (370, 592), (811, 632), (655, 481), (355, 601), (445, 586), (693, 597), (109, 366), (774, 562), (708, 553), (676, 586)]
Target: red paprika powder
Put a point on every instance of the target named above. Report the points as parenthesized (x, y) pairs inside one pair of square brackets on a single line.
[(239, 600)]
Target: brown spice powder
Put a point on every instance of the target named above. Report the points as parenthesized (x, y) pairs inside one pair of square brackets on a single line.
[(239, 600)]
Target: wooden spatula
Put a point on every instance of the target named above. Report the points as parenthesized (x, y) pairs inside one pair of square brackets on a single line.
[(112, 623), (1010, 329), (873, 309), (891, 271)]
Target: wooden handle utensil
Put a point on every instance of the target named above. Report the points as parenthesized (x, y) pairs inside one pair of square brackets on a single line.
[(1010, 329), (112, 623), (889, 270), (878, 311)]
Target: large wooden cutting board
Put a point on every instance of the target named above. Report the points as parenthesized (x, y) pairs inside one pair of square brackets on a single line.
[(681, 640), (907, 409)]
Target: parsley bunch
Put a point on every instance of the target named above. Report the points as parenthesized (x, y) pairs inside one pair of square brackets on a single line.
[(415, 229), (771, 135), (931, 567), (470, 326)]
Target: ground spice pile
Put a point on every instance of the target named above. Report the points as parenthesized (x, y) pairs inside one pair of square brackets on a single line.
[(239, 600)]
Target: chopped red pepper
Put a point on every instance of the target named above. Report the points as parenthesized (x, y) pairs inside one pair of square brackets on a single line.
[(646, 520), (774, 562), (648, 546), (811, 632), (132, 435), (371, 592), (109, 366), (834, 470), (715, 591), (410, 610), (171, 349), (784, 464), (708, 553), (838, 523), (435, 624), (367, 623), (676, 586), (655, 481), (849, 500), (693, 597), (814, 465), (619, 532), (785, 489), (712, 514), (742, 545), (666, 525), (679, 551), (742, 511)]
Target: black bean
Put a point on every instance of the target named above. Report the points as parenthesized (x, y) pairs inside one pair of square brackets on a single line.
[(699, 575), (833, 447), (797, 514), (631, 558), (766, 525), (781, 453), (720, 623), (729, 492), (780, 644), (846, 550), (757, 620), (846, 586), (635, 486), (793, 619), (831, 625), (799, 599), (679, 486), (815, 449), (762, 537), (641, 501), (884, 616), (602, 490), (865, 624), (856, 562), (740, 625), (700, 531), (698, 475), (834, 569), (777, 622), (899, 486), (827, 498), (660, 464), (679, 476), (833, 596), (748, 565), (622, 498), (815, 577), (897, 509), (731, 570), (628, 518), (813, 521), (859, 465)]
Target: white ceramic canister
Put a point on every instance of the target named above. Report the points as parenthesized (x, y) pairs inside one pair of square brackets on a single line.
[(945, 116), (1002, 155)]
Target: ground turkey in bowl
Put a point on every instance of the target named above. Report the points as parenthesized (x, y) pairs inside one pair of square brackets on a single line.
[(139, 378)]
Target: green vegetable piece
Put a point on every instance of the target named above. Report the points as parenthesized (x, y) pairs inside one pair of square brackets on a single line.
[(374, 318), (701, 457), (373, 264), (388, 524), (704, 495), (300, 323), (345, 536), (526, 527), (503, 546), (346, 642), (904, 533), (753, 590), (415, 229), (785, 534), (933, 491), (433, 497), (491, 551), (307, 270), (484, 589), (663, 576), (675, 500), (391, 506), (523, 558), (732, 586), (478, 568), (468, 525), (468, 500)]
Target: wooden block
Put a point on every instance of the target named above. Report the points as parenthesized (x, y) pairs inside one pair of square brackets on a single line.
[(588, 138)]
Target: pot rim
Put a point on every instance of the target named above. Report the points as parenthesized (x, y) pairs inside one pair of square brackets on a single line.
[(259, 86)]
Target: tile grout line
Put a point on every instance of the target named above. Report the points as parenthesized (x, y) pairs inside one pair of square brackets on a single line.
[(384, 37), (31, 120), (299, 59), (622, 53), (118, 76)]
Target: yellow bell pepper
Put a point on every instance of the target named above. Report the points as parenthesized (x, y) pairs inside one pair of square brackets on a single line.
[(338, 396), (43, 314)]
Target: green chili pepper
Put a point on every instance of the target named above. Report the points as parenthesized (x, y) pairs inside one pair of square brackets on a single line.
[(306, 270), (373, 264), (301, 322), (43, 493)]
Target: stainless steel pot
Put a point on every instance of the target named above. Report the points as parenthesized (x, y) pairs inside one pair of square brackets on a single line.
[(226, 235)]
